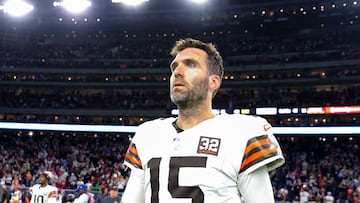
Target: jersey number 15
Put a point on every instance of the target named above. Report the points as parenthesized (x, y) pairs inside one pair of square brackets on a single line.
[(176, 191)]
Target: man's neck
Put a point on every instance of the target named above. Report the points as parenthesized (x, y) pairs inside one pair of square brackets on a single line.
[(43, 185), (189, 118)]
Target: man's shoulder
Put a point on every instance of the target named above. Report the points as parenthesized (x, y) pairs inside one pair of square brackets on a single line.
[(157, 122), (241, 118), (161, 120), (35, 186), (50, 187), (157, 127)]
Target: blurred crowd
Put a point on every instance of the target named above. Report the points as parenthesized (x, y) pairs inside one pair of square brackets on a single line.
[(157, 101), (246, 75), (237, 49), (315, 166), (141, 99), (96, 160), (241, 50), (318, 169)]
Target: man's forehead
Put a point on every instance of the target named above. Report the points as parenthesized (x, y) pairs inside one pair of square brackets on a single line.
[(191, 53)]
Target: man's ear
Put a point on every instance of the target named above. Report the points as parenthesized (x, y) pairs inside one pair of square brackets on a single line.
[(214, 82)]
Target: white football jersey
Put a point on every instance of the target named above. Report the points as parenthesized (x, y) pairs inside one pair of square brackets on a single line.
[(47, 194), (201, 164)]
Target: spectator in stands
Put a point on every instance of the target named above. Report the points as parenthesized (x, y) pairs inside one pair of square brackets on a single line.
[(6, 195), (28, 178), (7, 178), (82, 195), (329, 198), (72, 179), (16, 195), (113, 196), (304, 195), (104, 192), (69, 198)]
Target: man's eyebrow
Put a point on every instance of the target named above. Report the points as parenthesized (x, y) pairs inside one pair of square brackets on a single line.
[(188, 60), (173, 64)]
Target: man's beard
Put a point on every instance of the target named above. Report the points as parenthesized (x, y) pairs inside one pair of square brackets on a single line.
[(191, 97)]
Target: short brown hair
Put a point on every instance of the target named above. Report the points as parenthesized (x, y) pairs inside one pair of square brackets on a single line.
[(215, 61)]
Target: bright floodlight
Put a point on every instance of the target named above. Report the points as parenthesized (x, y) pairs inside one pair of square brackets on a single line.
[(129, 2), (199, 1), (74, 6), (17, 7)]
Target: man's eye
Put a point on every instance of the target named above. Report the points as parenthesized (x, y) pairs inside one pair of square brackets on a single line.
[(172, 67), (191, 65)]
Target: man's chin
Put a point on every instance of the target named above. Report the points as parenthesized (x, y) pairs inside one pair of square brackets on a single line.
[(179, 101)]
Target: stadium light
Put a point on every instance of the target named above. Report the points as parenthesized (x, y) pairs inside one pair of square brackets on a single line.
[(17, 7), (199, 1), (74, 6), (129, 2)]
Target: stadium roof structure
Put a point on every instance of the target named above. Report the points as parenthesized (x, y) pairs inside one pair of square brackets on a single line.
[(46, 12)]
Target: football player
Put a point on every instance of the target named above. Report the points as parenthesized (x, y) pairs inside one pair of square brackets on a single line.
[(201, 157), (44, 192)]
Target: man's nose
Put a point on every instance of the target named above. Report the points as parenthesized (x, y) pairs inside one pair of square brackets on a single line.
[(179, 70)]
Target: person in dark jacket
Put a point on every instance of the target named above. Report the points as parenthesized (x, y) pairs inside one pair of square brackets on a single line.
[(104, 192), (5, 197), (113, 196)]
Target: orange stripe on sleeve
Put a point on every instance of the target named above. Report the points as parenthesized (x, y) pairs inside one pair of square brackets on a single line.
[(133, 150), (52, 193), (257, 156), (132, 156), (258, 149), (257, 144), (133, 160)]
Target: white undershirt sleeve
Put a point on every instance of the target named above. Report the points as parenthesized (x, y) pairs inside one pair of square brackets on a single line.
[(134, 191), (256, 187)]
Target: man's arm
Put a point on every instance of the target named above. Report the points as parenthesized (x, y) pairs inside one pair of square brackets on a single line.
[(256, 186), (134, 191)]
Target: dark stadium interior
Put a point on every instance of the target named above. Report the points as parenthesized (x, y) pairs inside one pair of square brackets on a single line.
[(110, 65)]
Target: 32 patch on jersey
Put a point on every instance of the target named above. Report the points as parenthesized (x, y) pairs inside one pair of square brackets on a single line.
[(209, 145)]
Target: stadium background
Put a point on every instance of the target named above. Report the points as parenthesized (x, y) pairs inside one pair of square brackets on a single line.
[(109, 66)]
